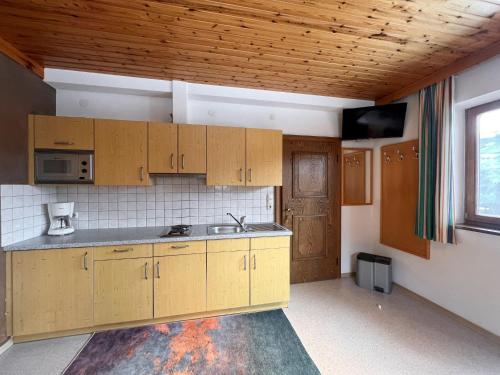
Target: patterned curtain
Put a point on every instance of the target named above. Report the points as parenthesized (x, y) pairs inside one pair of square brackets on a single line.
[(435, 208)]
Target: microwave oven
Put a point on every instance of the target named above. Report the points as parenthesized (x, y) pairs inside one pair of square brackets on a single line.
[(64, 167)]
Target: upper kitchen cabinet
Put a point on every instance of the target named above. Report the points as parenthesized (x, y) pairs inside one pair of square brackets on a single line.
[(225, 156), (63, 133), (162, 147), (121, 156), (264, 153), (192, 149)]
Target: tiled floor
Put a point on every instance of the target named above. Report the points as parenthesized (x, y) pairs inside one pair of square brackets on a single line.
[(346, 330)]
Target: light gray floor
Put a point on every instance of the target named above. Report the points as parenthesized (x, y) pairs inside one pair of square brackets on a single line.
[(45, 357), (344, 331)]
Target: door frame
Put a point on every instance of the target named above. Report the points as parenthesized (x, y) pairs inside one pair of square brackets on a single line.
[(278, 190)]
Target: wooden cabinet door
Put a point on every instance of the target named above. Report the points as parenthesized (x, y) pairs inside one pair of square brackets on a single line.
[(52, 290), (269, 276), (63, 133), (123, 290), (162, 148), (121, 152), (228, 281), (225, 156), (264, 154), (192, 148), (180, 285)]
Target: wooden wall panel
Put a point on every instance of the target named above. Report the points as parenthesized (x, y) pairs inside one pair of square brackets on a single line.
[(399, 199)]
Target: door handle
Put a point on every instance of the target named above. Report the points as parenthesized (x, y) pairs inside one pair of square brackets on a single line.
[(158, 270), (250, 175), (244, 263), (179, 246), (123, 250), (142, 174), (172, 161), (182, 161), (254, 262), (64, 143), (146, 270), (241, 174), (85, 265)]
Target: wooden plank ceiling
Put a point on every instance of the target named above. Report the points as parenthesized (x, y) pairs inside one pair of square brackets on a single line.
[(353, 48)]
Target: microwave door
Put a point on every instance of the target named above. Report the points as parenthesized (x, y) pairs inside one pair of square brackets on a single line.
[(52, 168)]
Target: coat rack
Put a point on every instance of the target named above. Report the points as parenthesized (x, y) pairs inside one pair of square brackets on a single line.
[(400, 168)]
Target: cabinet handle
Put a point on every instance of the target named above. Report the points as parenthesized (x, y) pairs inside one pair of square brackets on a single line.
[(250, 175), (241, 174), (182, 161), (158, 269), (142, 174), (128, 249), (146, 270), (64, 143), (244, 263), (172, 161), (255, 262), (85, 265), (179, 246)]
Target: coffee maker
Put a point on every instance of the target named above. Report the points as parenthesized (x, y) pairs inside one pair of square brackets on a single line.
[(60, 215)]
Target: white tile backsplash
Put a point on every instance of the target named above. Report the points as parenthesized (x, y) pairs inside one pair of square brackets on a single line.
[(171, 200), (23, 211)]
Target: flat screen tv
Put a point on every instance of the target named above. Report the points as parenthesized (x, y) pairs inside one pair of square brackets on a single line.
[(383, 121)]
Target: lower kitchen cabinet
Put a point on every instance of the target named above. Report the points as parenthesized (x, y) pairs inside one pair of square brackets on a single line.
[(52, 290), (123, 290), (228, 281), (269, 276), (180, 284)]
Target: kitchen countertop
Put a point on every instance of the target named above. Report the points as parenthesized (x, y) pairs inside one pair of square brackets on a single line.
[(128, 236)]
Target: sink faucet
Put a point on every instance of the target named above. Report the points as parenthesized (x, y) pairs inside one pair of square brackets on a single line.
[(240, 222)]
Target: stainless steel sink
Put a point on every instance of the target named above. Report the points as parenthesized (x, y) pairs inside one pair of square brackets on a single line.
[(224, 229), (230, 228)]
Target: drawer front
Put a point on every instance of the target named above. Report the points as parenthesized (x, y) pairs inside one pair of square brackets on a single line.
[(236, 244), (270, 242), (180, 248), (123, 252), (64, 133)]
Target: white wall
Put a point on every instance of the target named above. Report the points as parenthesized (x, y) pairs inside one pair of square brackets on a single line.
[(109, 105), (462, 278)]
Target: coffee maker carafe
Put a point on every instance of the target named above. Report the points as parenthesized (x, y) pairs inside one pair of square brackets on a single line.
[(60, 215)]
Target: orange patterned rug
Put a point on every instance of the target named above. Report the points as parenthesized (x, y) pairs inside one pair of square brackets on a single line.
[(259, 343)]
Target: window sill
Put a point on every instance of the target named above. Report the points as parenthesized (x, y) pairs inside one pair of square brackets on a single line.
[(473, 228)]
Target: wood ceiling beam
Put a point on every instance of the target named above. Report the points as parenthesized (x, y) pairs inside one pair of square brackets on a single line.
[(13, 53), (441, 74)]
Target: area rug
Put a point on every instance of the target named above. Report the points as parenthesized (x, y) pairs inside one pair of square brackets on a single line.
[(258, 343)]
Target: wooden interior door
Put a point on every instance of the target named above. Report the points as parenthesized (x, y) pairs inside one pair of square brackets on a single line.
[(192, 148), (264, 157), (228, 280), (123, 290), (310, 206), (269, 276), (399, 199), (121, 156), (52, 290), (225, 156), (354, 174), (162, 148), (180, 285)]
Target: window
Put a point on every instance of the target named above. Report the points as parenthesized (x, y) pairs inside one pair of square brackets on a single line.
[(483, 166)]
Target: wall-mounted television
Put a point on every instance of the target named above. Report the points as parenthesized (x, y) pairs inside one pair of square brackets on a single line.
[(382, 121)]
